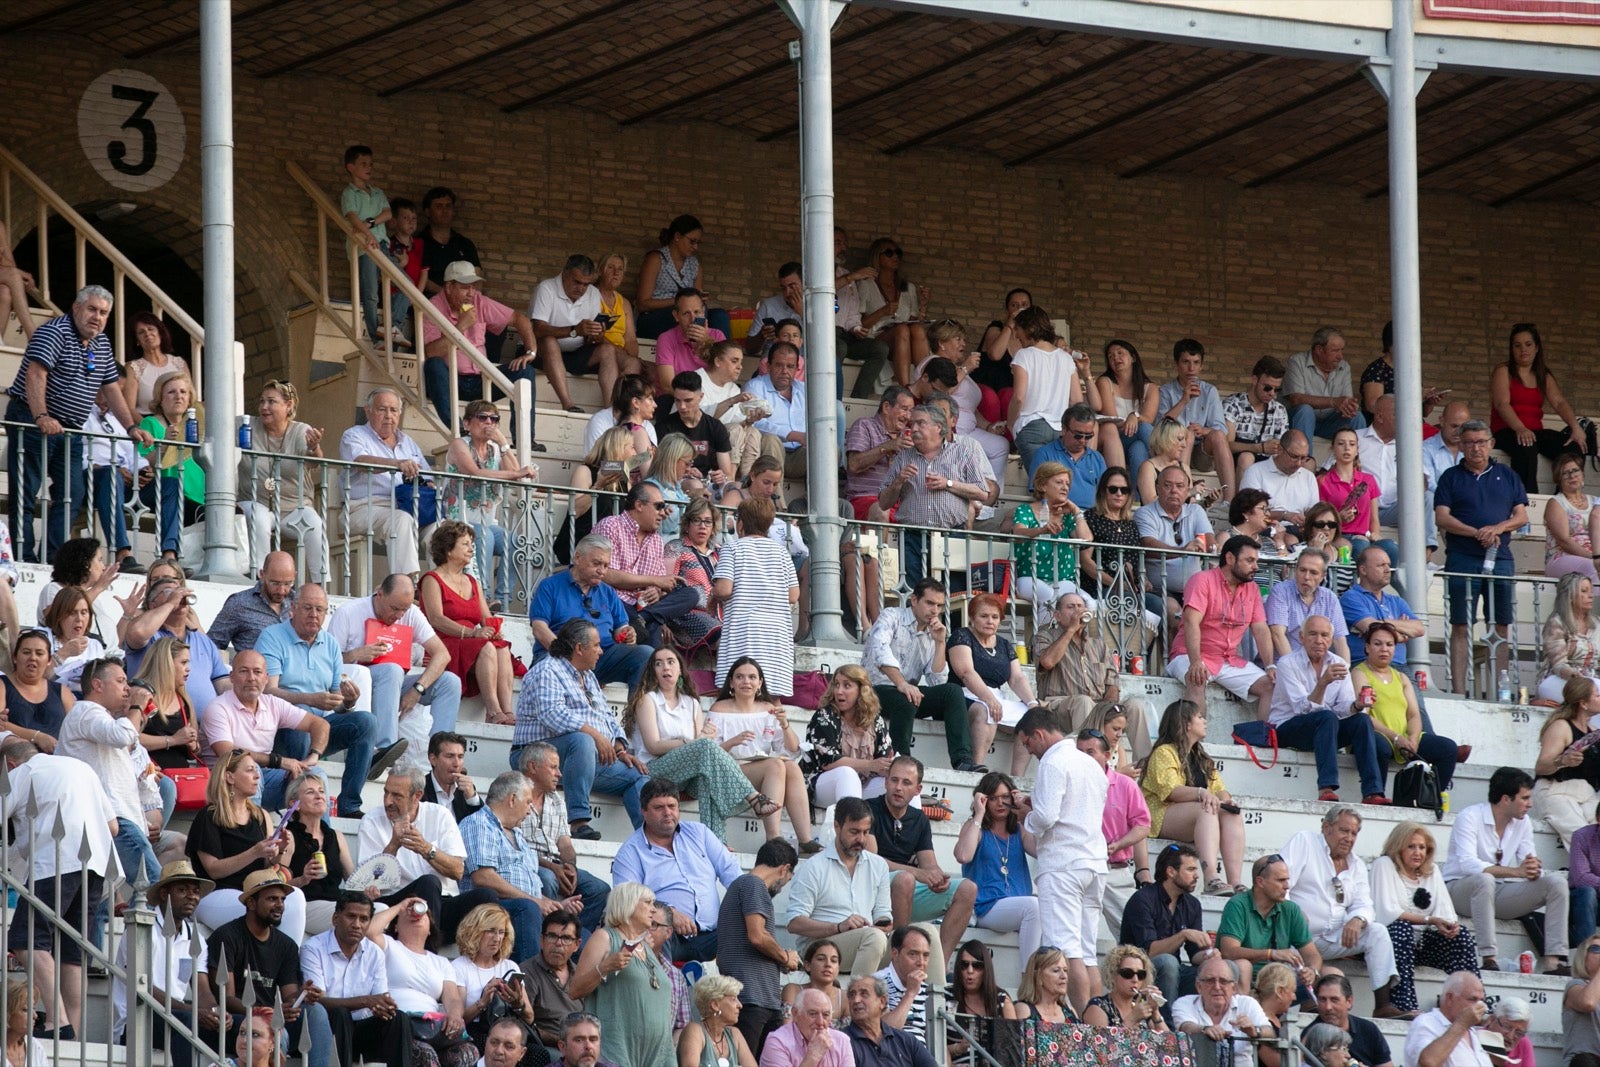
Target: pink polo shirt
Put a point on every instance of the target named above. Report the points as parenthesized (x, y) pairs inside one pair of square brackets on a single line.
[(674, 350), (1335, 490), (1125, 809), (493, 317), (1227, 615), (225, 719)]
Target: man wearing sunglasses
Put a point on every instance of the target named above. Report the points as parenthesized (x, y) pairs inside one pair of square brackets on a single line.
[(1331, 885), (638, 572), (1073, 450), (1256, 418), (1287, 480)]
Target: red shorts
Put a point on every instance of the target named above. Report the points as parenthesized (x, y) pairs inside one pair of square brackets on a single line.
[(861, 504)]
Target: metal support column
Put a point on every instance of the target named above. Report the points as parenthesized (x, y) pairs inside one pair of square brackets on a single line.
[(220, 456), (815, 19)]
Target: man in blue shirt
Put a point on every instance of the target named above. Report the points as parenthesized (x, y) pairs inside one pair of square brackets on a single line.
[(500, 860), (249, 611), (779, 390), (1073, 450), (1198, 405), (682, 863), (1477, 504), (580, 592), (1439, 453)]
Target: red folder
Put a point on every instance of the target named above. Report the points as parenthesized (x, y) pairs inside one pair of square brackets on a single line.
[(399, 639)]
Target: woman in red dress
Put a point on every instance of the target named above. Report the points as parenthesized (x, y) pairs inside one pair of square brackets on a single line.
[(455, 606)]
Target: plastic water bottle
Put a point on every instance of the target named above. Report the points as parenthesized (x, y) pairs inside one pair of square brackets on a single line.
[(1489, 556), (245, 437), (191, 427), (1507, 686)]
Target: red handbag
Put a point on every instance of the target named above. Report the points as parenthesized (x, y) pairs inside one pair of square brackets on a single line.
[(192, 782)]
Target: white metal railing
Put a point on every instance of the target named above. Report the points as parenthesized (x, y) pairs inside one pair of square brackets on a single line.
[(123, 270)]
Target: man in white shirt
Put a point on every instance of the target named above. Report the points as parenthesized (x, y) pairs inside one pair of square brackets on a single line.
[(1494, 873), (1065, 813), (1444, 1036), (565, 311), (787, 303), (1377, 457), (371, 506), (904, 658), (1286, 480), (1313, 711), (349, 1009), (1221, 1013), (173, 897), (427, 844), (1331, 885)]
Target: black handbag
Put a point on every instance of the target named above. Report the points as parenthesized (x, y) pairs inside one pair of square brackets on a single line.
[(1416, 786)]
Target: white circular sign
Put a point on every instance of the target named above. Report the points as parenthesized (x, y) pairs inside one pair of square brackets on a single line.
[(132, 130)]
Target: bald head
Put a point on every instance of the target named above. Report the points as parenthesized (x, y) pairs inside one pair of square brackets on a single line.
[(1456, 415), (277, 577), (1294, 449), (249, 676)]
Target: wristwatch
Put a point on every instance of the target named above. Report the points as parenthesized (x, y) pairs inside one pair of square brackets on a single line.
[(417, 688), (573, 332), (433, 850)]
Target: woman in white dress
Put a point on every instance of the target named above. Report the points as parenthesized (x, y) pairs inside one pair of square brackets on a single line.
[(753, 727)]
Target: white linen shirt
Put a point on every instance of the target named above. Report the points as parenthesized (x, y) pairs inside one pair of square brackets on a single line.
[(91, 735), (1289, 492), (1377, 459), (1188, 1010), (1311, 878), (1427, 1028), (349, 625), (1391, 895), (68, 789), (823, 890), (362, 441), (170, 970), (1291, 693), (895, 641), (339, 976), (1473, 843), (1069, 803), (551, 307), (433, 821)]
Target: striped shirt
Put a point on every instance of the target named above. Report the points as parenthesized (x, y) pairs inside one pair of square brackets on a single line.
[(78, 371)]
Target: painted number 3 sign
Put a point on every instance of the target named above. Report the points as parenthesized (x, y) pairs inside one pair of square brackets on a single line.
[(131, 129)]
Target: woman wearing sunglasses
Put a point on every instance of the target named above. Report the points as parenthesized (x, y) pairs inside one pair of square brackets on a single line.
[(483, 453), (974, 996), (893, 309), (1321, 531), (1131, 998), (1410, 898)]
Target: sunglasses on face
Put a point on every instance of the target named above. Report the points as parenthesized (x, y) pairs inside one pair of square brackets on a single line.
[(1076, 436), (1117, 490), (489, 418), (1269, 388), (969, 965), (895, 252), (1324, 524), (1129, 972)]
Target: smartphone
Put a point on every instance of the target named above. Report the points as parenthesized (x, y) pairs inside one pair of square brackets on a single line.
[(767, 322), (699, 320), (605, 322), (1230, 807)]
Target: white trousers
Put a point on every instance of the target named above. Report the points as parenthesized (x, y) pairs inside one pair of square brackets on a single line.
[(1018, 915), (833, 786), (1069, 911), (1374, 945), (397, 529)]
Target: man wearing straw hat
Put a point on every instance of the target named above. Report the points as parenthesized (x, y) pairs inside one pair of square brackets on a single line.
[(173, 961)]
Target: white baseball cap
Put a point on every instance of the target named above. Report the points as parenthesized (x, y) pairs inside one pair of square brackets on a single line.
[(462, 272)]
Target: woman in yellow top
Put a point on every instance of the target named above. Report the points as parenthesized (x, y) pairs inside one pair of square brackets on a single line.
[(1396, 716), (1188, 801), (619, 334), (181, 485)]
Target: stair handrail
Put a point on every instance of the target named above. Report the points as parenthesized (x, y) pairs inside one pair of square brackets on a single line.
[(122, 266), (421, 305)]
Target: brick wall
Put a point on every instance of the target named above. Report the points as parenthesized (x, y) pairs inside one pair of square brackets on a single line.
[(1248, 272)]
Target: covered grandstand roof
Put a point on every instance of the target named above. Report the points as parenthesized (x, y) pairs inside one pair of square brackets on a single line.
[(906, 80)]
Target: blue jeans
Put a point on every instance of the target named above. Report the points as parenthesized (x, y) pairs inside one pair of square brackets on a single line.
[(367, 271), (492, 543), (165, 493), (443, 699), (623, 663), (436, 384), (31, 456), (582, 772), (134, 850), (1325, 733), (1032, 437), (1322, 422), (526, 919), (349, 732), (594, 892), (1174, 978), (1137, 447), (169, 798), (1580, 914), (108, 500)]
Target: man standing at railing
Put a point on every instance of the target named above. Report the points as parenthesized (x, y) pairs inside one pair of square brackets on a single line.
[(67, 368), (475, 316)]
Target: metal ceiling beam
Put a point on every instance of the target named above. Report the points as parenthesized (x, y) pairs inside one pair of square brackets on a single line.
[(1547, 181), (697, 40), (189, 36), (541, 37), (1372, 134), (1581, 104), (907, 82), (365, 39), (41, 17), (775, 67), (1249, 123), (1023, 97), (1205, 81)]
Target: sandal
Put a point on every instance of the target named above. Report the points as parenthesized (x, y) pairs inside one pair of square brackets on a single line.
[(762, 805), (1216, 887)]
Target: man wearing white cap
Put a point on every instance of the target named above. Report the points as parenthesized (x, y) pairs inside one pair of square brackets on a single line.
[(476, 316)]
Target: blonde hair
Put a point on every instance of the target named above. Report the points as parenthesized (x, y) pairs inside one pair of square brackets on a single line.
[(483, 919), (1166, 433), (291, 395), (219, 797), (1401, 836), (1114, 959), (1046, 471), (1028, 988), (160, 668), (1273, 977), (600, 264), (167, 379), (865, 717), (714, 987), (670, 451)]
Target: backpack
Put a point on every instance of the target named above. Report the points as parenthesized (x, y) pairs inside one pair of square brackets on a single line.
[(1416, 786)]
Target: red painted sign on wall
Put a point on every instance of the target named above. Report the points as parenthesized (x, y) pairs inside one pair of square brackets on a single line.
[(1573, 12)]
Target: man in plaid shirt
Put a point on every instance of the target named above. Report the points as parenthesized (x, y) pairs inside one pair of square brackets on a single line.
[(638, 570), (500, 860)]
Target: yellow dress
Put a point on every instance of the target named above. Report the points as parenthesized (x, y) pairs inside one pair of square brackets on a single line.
[(1164, 773)]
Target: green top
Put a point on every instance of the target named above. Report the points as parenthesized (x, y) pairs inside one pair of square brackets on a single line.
[(194, 479), (634, 1006), (1047, 557), (1284, 926)]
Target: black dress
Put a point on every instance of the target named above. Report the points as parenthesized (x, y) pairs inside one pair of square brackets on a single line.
[(44, 716)]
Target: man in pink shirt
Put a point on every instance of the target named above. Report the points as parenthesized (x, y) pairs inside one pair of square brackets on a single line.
[(809, 1038), (685, 346), (638, 571), (246, 717), (476, 316), (1126, 825), (1219, 605)]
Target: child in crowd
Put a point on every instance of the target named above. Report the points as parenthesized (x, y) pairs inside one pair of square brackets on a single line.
[(367, 210), (405, 250)]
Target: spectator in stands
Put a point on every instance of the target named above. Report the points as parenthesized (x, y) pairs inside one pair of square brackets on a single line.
[(671, 470), (1331, 885), (366, 209), (427, 846), (753, 727), (1580, 1011), (247, 718), (1075, 672), (1354, 492), (1197, 405), (499, 859), (683, 863), (178, 492), (686, 347), (1125, 824), (932, 484), (718, 1005), (77, 562), (1249, 516), (747, 949), (1335, 1001), (404, 249), (36, 705), (1410, 898), (992, 849), (1396, 711), (1511, 1019), (786, 406), (372, 632), (978, 459), (905, 660), (257, 952), (713, 447), (376, 503), (172, 725), (894, 309), (1222, 1014), (579, 593), (474, 316), (449, 785), (1313, 710), (1567, 773), (150, 358), (99, 734), (423, 982), (673, 266), (975, 997), (1378, 379), (546, 829), (1291, 488), (1494, 873), (873, 1041), (1163, 918), (1477, 504), (567, 320), (852, 340), (633, 407), (787, 303), (321, 859), (905, 979), (458, 611), (1187, 799), (1047, 571), (1319, 397), (843, 894), (248, 612), (622, 978), (985, 664), (1439, 453), (172, 962), (1133, 999), (1571, 519), (756, 584), (1124, 390), (696, 566), (605, 469), (481, 453), (353, 1015), (1169, 447), (1519, 390), (1296, 599), (1044, 386), (1444, 1036), (1072, 449), (561, 702), (820, 961), (548, 975), (1256, 419), (67, 367), (1366, 603), (616, 311), (999, 345), (1376, 446), (1264, 926), (653, 598), (169, 612), (949, 341), (871, 446), (71, 644), (1042, 993), (733, 404), (808, 1038), (848, 749), (441, 243), (1064, 813), (1220, 605), (1172, 521), (232, 838), (115, 472), (1584, 880)]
